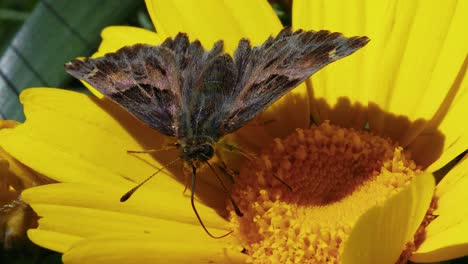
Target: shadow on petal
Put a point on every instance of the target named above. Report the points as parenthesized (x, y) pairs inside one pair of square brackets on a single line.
[(399, 127)]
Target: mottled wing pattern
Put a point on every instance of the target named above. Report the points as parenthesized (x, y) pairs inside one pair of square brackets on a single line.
[(143, 79), (267, 72), (182, 90)]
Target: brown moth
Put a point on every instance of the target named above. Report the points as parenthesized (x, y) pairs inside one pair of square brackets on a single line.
[(197, 95)]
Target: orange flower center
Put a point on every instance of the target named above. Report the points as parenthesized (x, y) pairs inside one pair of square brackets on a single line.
[(303, 194)]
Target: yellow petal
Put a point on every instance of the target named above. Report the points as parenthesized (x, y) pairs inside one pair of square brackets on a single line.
[(55, 241), (418, 64), (406, 71), (449, 244), (211, 20), (381, 233), (86, 222), (16, 174), (339, 93), (128, 248), (116, 37), (446, 236), (445, 137), (57, 202), (451, 187), (72, 137)]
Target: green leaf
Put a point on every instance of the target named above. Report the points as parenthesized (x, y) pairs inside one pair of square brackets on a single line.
[(55, 32)]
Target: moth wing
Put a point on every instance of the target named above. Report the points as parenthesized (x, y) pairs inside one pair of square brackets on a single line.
[(267, 72), (143, 79)]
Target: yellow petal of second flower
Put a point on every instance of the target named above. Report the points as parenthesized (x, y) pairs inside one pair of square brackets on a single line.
[(381, 234), (446, 236)]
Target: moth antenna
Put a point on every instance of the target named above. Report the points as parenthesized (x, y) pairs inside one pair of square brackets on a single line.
[(127, 195), (192, 201), (236, 208), (164, 148)]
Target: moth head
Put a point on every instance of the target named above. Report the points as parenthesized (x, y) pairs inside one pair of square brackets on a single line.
[(197, 149)]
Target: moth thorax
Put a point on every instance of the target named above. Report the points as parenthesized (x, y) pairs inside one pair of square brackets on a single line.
[(197, 148)]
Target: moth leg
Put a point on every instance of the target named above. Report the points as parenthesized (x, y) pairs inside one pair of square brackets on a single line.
[(187, 182), (226, 170), (232, 147), (252, 157), (223, 167), (263, 123), (164, 148)]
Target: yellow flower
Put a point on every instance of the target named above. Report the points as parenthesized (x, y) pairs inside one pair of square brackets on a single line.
[(15, 216), (407, 87)]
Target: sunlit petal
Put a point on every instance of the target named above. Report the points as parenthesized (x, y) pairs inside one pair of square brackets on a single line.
[(445, 137), (415, 74), (212, 20), (116, 37), (341, 85)]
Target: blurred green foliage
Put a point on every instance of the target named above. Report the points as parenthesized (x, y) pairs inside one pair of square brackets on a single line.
[(55, 32), (12, 15)]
